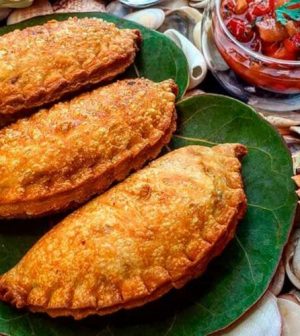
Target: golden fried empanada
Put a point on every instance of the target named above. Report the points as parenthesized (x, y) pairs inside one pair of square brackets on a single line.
[(40, 64), (156, 230), (62, 156)]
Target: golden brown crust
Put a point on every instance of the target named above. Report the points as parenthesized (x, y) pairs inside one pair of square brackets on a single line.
[(156, 230), (40, 64), (62, 156)]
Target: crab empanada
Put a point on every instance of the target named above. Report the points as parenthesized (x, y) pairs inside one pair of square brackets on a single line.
[(156, 230), (40, 64), (60, 157)]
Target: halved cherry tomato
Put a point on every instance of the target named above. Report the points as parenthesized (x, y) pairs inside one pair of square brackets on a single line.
[(240, 29), (278, 50), (262, 7), (292, 44)]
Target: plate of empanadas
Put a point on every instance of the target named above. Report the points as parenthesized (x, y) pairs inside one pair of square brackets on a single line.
[(126, 209)]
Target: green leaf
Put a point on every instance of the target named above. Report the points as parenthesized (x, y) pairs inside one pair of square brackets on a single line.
[(288, 11), (234, 281), (158, 59)]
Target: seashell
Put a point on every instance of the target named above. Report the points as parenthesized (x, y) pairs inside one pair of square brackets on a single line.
[(117, 9), (210, 50), (292, 258), (192, 93), (296, 165), (15, 3), (281, 121), (290, 313), (196, 62), (291, 296), (184, 20), (198, 3), (278, 280), (171, 4), (76, 6), (140, 3), (263, 319), (40, 7), (151, 18), (4, 12)]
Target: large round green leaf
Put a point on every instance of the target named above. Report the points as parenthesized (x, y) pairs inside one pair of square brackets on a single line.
[(158, 59), (234, 281)]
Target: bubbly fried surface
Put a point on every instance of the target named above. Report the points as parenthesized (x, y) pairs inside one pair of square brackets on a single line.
[(156, 230), (76, 149), (40, 64)]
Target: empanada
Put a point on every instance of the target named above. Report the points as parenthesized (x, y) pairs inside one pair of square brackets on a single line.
[(60, 157), (156, 230), (40, 64)]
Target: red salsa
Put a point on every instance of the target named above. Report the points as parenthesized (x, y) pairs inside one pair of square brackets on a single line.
[(256, 25)]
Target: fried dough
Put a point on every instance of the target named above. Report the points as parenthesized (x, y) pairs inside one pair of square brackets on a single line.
[(154, 231), (62, 156), (40, 64)]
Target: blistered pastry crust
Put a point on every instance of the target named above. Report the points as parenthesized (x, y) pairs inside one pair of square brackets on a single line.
[(60, 157), (40, 64), (155, 231)]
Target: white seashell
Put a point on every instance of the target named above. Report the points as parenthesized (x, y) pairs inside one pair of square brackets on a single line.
[(4, 12), (40, 7), (151, 18), (192, 93), (197, 35), (171, 4), (117, 9), (77, 6), (196, 62), (278, 280), (290, 313), (281, 121), (184, 20), (15, 3), (262, 320), (199, 3), (140, 3), (292, 258), (210, 50)]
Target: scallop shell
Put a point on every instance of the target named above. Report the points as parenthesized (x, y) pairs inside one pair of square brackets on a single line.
[(117, 9), (263, 319), (15, 3), (198, 3), (40, 7), (290, 313), (151, 18), (185, 20), (196, 62), (4, 12), (76, 6), (292, 258)]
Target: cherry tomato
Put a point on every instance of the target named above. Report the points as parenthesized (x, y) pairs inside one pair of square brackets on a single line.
[(292, 44), (228, 6), (240, 29), (278, 50), (263, 7)]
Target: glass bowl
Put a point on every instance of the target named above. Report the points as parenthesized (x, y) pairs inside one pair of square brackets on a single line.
[(261, 81)]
